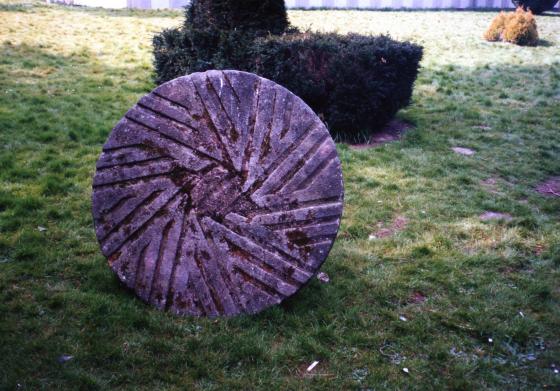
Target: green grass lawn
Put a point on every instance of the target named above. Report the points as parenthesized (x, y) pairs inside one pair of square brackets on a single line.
[(461, 303)]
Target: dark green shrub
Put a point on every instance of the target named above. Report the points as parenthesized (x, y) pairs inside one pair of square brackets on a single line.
[(355, 83), (264, 16), (173, 54), (216, 34), (535, 6), (179, 52)]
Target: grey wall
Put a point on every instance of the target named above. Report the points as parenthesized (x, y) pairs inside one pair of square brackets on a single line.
[(365, 4)]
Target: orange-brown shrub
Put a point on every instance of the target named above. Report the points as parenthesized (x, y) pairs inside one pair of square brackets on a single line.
[(496, 29), (519, 27)]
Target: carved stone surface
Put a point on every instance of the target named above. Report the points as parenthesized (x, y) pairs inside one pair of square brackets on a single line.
[(219, 193)]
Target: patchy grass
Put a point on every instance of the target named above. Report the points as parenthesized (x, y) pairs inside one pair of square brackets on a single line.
[(429, 296)]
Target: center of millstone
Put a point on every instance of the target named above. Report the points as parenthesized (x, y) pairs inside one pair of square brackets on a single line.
[(217, 193)]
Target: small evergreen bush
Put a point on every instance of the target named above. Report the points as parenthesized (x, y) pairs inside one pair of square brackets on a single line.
[(216, 34), (537, 7), (519, 27), (355, 83), (173, 54), (268, 16)]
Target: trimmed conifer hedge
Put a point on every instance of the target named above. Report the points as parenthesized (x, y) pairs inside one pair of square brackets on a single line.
[(266, 16), (355, 83), (537, 7)]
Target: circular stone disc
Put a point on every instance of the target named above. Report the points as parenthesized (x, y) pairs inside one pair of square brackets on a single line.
[(219, 193)]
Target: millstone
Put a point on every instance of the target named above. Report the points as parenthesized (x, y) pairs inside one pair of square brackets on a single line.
[(218, 193)]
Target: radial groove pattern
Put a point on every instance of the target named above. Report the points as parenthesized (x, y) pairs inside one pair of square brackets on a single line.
[(219, 193)]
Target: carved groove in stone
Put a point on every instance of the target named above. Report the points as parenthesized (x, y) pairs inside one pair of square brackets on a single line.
[(219, 193)]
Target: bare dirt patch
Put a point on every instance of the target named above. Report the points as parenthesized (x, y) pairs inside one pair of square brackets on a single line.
[(417, 297), (398, 224), (490, 185), (393, 131), (550, 188)]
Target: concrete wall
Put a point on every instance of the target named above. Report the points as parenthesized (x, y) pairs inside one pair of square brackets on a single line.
[(399, 4), (365, 4), (144, 4)]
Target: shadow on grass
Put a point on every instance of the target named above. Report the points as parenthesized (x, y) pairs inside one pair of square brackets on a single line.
[(545, 43), (551, 14)]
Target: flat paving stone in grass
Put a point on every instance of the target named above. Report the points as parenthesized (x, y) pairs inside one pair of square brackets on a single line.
[(489, 216), (550, 187), (463, 151), (219, 193)]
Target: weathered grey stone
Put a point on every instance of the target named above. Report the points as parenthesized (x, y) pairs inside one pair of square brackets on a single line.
[(463, 151), (219, 193)]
